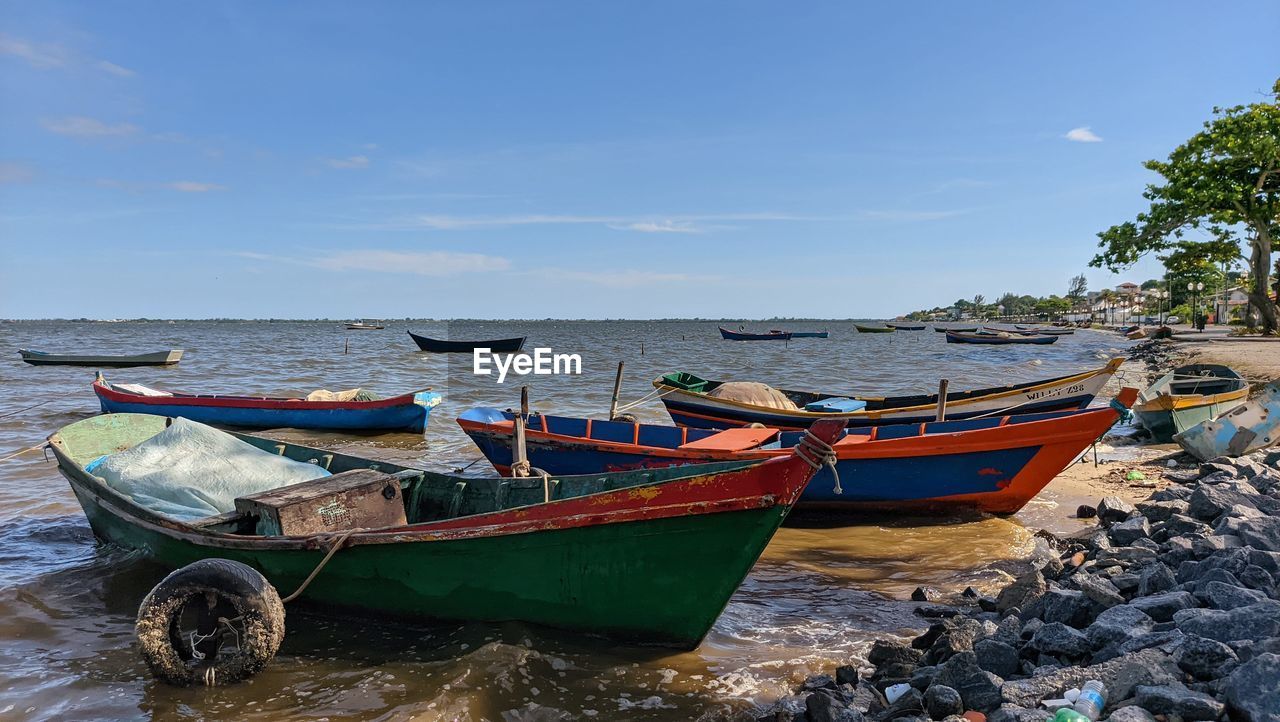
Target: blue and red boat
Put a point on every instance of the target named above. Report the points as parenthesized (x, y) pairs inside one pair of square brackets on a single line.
[(406, 412), (993, 465)]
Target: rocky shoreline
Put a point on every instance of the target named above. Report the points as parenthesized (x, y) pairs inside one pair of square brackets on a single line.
[(1172, 603)]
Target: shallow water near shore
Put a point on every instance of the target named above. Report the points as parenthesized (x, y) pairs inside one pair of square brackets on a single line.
[(820, 594)]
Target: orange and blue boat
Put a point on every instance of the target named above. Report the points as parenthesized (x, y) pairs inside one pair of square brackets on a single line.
[(993, 465)]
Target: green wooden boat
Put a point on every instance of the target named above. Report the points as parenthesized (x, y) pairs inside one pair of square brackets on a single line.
[(650, 555), (1187, 396)]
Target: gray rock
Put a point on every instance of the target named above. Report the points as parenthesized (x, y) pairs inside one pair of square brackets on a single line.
[(1067, 606), (923, 677), (1120, 675), (1060, 640), (1131, 713), (1162, 510), (1172, 493), (1113, 508), (1255, 577), (978, 690), (1161, 607), (824, 707), (884, 653), (1205, 658), (926, 640), (1130, 531), (997, 657), (1102, 592), (1256, 622), (846, 674), (925, 594), (1220, 595), (1156, 578), (1260, 533), (1207, 502), (936, 611), (941, 700), (867, 699), (960, 635), (1179, 525), (1252, 691), (819, 681), (1219, 469), (1084, 511), (1177, 700), (910, 701), (1124, 557), (1023, 591), (1118, 624)]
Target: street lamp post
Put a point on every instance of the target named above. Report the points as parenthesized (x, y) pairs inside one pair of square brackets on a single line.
[(1195, 289)]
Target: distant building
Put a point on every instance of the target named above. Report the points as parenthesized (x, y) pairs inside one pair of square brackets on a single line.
[(1128, 289)]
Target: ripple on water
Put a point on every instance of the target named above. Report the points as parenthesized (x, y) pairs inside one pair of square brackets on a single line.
[(818, 597)]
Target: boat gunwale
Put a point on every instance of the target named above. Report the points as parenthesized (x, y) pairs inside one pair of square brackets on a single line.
[(975, 396), (103, 388)]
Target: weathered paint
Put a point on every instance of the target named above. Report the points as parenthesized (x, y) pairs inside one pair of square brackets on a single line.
[(407, 412), (159, 358), (700, 410), (657, 566), (1252, 425), (994, 465)]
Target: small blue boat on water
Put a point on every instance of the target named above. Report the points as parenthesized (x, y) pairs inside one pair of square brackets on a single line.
[(406, 412)]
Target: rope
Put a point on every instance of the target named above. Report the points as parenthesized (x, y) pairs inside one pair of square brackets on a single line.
[(16, 454), (655, 394), (332, 550), (817, 453), (42, 403)]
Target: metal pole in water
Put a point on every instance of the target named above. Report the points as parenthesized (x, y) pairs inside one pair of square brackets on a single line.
[(617, 388), (942, 400), (346, 345)]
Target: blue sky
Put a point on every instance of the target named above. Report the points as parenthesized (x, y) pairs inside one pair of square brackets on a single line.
[(591, 160)]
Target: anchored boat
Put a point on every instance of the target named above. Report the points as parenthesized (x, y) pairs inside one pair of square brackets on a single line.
[(698, 402), (435, 345), (905, 326), (993, 465), (1187, 396), (159, 358), (406, 412), (728, 335), (998, 339), (650, 555), (873, 329)]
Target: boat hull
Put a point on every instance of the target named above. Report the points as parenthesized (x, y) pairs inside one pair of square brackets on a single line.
[(993, 340), (1252, 425), (409, 412), (700, 410), (159, 358), (810, 334), (728, 335), (435, 345), (873, 329), (994, 467)]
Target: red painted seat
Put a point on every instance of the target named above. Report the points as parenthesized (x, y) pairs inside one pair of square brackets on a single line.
[(732, 440)]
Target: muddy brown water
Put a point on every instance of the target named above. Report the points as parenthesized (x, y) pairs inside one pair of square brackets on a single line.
[(824, 589)]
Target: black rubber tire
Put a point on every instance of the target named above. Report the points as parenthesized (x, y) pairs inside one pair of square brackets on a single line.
[(238, 585)]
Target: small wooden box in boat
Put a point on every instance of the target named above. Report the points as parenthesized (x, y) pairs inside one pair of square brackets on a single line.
[(356, 499)]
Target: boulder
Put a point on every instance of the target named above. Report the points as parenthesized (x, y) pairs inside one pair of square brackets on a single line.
[(960, 635), (1084, 511), (997, 657), (1120, 675), (926, 640), (1131, 713), (1175, 699), (884, 653), (1113, 509), (941, 700), (925, 594), (1100, 591), (1067, 606), (1156, 578), (923, 677), (1118, 624), (1255, 577), (846, 674), (1024, 590), (1252, 691), (1060, 640), (1129, 531), (1161, 607), (1181, 525), (1014, 713), (823, 707), (1124, 557), (976, 687), (1260, 533), (1221, 595), (1161, 510), (1205, 658), (1207, 502), (1255, 621), (910, 702)]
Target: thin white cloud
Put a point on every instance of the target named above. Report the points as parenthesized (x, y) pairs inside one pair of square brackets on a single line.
[(116, 70), (194, 187), (79, 126), (908, 215), (419, 263), (15, 173), (48, 56), (656, 227), (1082, 135), (355, 161)]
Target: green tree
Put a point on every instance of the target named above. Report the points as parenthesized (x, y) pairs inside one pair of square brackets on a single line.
[(1225, 180), (1078, 288)]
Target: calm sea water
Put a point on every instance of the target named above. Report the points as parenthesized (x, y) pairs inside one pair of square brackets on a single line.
[(817, 598)]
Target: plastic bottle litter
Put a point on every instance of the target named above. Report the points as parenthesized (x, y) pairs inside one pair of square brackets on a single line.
[(892, 693), (1092, 699), (1135, 475), (1066, 714)]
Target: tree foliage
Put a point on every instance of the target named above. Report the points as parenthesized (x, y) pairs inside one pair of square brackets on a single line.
[(1224, 181), (1078, 288)]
